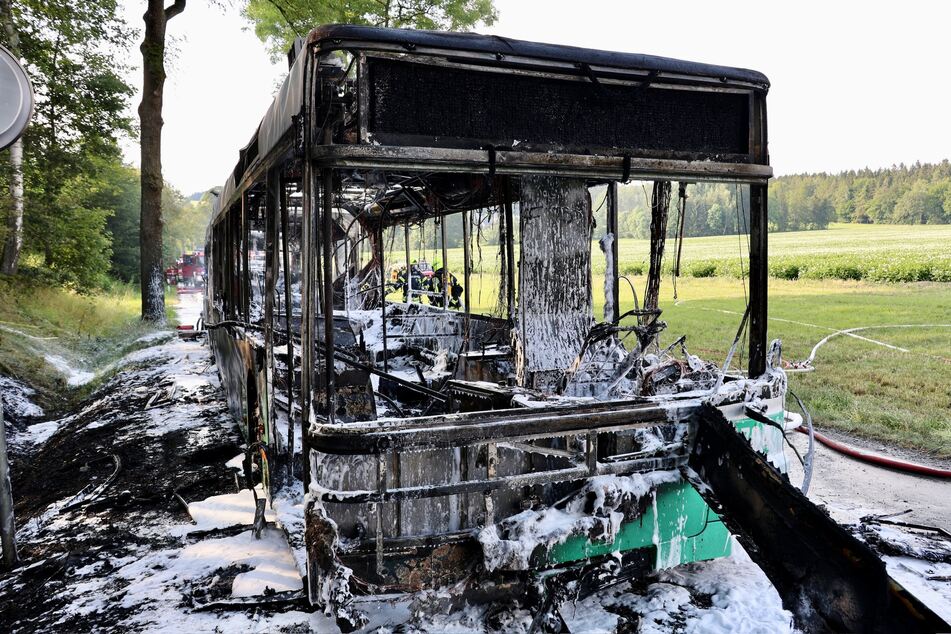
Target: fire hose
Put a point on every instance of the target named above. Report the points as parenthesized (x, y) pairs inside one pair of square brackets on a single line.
[(881, 461)]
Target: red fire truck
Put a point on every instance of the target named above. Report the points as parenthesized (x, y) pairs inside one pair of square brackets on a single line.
[(188, 271)]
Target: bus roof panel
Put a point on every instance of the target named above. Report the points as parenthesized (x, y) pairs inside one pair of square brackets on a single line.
[(356, 37)]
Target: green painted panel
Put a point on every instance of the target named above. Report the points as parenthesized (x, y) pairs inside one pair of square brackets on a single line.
[(677, 521)]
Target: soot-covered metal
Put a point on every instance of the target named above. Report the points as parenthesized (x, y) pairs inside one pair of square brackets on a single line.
[(435, 422), (461, 107)]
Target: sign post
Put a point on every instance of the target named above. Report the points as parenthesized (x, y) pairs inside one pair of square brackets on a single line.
[(16, 109)]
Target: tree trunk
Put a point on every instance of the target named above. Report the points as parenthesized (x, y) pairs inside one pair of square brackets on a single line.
[(14, 240), (152, 279)]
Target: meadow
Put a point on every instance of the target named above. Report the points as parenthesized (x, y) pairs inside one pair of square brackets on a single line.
[(849, 276)]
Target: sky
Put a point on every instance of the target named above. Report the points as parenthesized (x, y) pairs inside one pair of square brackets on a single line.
[(853, 84)]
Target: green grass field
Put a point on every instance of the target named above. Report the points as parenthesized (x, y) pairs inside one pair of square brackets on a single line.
[(864, 388), (896, 396)]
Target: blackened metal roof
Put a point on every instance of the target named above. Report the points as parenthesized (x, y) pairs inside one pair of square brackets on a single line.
[(353, 37)]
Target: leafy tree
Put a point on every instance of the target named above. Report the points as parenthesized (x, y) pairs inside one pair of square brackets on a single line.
[(185, 223), (73, 53), (81, 257), (121, 195), (278, 22), (715, 219), (918, 205)]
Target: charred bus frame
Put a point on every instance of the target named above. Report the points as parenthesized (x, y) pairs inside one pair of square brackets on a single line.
[(415, 118)]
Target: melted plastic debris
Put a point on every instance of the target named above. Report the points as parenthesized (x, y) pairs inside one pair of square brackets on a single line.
[(918, 560), (597, 510)]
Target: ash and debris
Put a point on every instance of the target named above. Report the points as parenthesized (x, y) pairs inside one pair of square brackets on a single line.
[(104, 541), (916, 556)]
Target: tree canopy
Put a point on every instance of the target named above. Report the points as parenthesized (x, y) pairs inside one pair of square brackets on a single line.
[(74, 54), (278, 22)]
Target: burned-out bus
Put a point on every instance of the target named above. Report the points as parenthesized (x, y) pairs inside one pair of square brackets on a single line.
[(542, 422)]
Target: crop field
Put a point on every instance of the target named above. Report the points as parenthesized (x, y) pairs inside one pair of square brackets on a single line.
[(896, 388), (875, 253)]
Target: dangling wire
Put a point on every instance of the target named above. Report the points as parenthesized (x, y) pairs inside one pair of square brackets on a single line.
[(739, 239), (740, 229), (682, 208)]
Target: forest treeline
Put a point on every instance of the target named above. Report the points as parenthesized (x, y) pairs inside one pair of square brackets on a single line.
[(909, 195), (916, 194)]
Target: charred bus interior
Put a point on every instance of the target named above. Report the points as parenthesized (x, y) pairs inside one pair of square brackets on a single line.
[(513, 404)]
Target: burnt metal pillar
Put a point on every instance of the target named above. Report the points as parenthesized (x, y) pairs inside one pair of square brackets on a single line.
[(758, 279), (245, 259), (327, 242), (466, 219), (288, 314), (408, 272), (612, 272), (234, 264), (308, 306), (381, 233), (759, 229), (444, 282), (271, 219), (509, 272)]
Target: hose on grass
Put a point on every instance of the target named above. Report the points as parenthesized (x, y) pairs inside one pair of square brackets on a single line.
[(880, 461)]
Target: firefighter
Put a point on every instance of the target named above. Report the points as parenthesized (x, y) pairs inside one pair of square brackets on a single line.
[(416, 282), (398, 281), (454, 290)]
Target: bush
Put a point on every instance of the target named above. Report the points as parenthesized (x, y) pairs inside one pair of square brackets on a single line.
[(888, 267), (784, 270), (834, 269), (702, 269)]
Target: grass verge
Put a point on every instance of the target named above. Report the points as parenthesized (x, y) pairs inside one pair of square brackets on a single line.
[(87, 331)]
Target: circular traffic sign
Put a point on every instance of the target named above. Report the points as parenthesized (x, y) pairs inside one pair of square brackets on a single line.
[(16, 99)]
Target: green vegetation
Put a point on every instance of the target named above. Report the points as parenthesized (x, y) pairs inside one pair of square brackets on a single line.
[(81, 204), (881, 393), (920, 195), (866, 389), (917, 194), (875, 253), (277, 24)]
